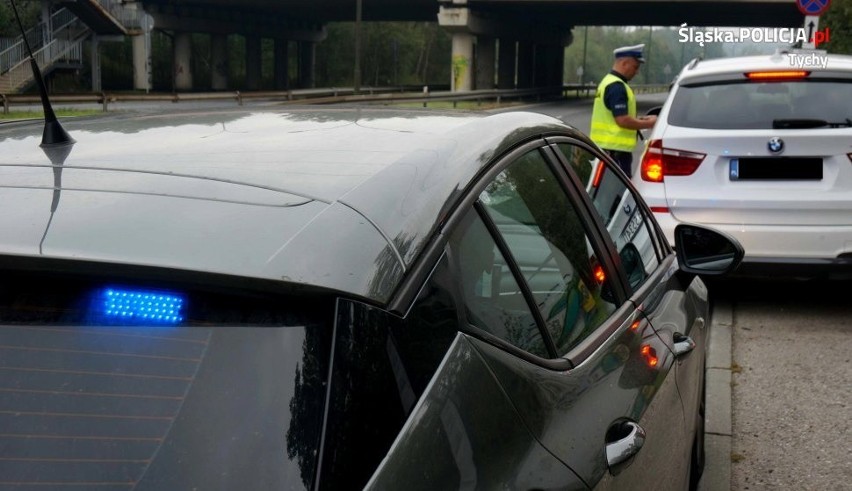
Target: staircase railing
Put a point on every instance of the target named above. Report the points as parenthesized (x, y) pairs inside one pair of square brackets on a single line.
[(6, 43), (38, 37), (59, 40), (65, 46)]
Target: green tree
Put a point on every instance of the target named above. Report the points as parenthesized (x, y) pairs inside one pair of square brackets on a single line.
[(392, 53), (838, 18), (116, 64), (662, 48), (30, 15)]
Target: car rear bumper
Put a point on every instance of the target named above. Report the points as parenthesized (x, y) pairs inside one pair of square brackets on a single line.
[(783, 250)]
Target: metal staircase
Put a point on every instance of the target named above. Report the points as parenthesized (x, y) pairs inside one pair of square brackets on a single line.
[(59, 42), (106, 17)]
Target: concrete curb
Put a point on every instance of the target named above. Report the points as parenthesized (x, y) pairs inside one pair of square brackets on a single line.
[(717, 420)]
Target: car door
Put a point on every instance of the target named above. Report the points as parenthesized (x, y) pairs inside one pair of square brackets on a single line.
[(676, 306), (460, 430), (593, 382)]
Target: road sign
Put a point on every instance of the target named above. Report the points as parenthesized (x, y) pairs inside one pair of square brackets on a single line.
[(812, 7), (811, 26)]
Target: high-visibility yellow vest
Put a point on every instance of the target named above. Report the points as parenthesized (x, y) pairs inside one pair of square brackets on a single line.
[(605, 131)]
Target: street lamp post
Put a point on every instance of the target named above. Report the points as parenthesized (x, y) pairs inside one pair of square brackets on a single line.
[(357, 46), (585, 43), (648, 54)]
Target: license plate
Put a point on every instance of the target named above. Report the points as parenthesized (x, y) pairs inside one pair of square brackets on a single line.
[(775, 168)]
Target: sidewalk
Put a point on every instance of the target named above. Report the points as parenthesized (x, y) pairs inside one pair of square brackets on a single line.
[(717, 420)]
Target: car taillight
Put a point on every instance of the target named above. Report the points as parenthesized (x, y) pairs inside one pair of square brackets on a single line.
[(777, 75), (660, 161), (652, 162)]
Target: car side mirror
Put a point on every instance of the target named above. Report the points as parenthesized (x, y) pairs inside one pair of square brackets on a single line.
[(654, 111), (704, 251)]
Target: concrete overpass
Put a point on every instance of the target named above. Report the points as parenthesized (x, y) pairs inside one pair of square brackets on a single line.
[(523, 39), (768, 13)]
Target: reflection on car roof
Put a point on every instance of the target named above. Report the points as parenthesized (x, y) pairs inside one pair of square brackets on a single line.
[(321, 197)]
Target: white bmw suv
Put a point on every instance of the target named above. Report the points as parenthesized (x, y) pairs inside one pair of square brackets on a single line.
[(761, 149)]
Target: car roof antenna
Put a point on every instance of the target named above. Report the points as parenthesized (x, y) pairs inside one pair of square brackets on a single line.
[(54, 134)]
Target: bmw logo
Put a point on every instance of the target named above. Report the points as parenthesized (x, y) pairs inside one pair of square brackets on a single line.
[(775, 145)]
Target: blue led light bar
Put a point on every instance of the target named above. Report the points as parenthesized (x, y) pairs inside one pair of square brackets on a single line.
[(141, 307)]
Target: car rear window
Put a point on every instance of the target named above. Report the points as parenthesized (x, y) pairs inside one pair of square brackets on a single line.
[(755, 105), (215, 396)]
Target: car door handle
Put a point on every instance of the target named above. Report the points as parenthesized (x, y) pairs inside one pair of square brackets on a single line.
[(630, 438), (682, 344)]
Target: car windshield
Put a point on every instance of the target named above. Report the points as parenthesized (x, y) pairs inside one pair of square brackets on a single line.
[(750, 105)]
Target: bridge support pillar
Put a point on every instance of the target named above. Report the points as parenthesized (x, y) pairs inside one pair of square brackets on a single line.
[(462, 62), (183, 60), (282, 64), (506, 64), (526, 64), (142, 61), (484, 62), (547, 65), (556, 65), (219, 61), (47, 22), (464, 23), (307, 64), (253, 62)]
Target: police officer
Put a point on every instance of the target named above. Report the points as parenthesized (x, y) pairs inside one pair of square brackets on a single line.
[(614, 122)]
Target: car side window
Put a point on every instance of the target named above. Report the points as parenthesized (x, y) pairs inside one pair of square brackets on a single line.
[(493, 300), (548, 241), (629, 228)]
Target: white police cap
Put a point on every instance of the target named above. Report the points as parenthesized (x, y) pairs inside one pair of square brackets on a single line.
[(631, 51)]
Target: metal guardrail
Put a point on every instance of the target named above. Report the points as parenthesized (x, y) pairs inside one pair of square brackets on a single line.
[(650, 88), (317, 96), (588, 89)]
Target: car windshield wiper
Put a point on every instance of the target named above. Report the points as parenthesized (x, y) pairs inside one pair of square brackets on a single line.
[(785, 124)]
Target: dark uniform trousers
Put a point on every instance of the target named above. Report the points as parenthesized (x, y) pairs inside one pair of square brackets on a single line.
[(624, 160)]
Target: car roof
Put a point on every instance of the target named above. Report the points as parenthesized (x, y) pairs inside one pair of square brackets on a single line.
[(344, 199), (775, 61)]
